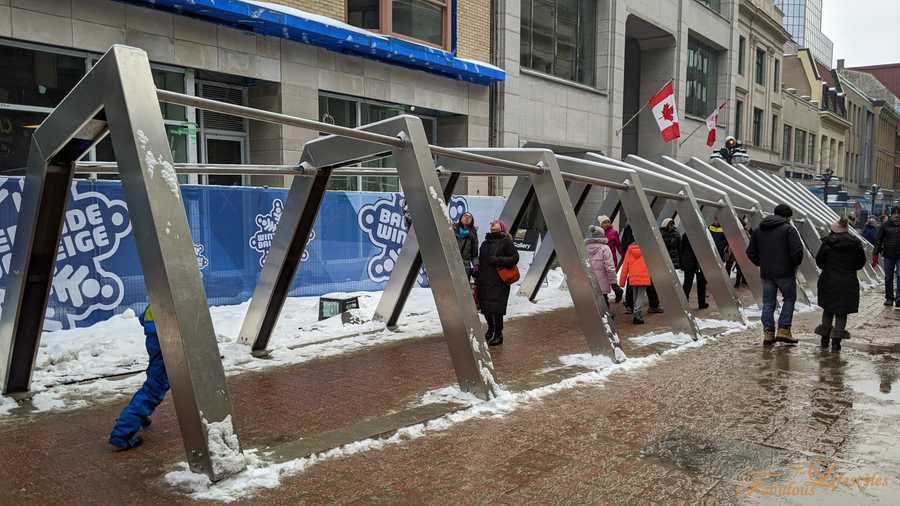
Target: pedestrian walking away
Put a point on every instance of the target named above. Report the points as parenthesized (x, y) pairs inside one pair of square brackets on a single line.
[(601, 259), (467, 239), (497, 251), (887, 245), (840, 256), (672, 240), (691, 268), (635, 272), (136, 415), (777, 250), (614, 243), (870, 231)]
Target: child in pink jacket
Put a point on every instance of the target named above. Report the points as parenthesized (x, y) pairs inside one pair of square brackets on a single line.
[(601, 258)]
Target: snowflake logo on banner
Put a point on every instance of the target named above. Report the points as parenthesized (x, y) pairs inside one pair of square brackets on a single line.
[(93, 228), (383, 223), (202, 261), (266, 224)]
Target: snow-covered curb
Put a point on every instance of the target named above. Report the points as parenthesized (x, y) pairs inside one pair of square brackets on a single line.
[(264, 474)]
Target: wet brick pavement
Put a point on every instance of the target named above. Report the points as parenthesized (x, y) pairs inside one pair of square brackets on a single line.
[(726, 423)]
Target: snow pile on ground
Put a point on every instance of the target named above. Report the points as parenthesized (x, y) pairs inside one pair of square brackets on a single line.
[(724, 326), (675, 338), (261, 474), (224, 447), (7, 404), (447, 395)]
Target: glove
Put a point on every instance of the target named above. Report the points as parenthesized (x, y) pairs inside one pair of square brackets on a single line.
[(874, 260)]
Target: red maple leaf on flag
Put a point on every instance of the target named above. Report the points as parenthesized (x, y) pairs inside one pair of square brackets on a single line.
[(668, 112)]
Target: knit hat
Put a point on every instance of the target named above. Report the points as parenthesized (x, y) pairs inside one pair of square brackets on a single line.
[(784, 210), (839, 226), (502, 225), (665, 222), (597, 232), (602, 219)]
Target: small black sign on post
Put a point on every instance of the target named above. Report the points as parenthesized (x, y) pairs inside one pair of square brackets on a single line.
[(332, 305), (526, 240)]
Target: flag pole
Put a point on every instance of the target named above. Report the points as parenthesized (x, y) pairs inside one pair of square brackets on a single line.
[(700, 125), (635, 115)]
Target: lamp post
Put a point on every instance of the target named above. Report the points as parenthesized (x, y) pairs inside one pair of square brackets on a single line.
[(875, 189), (826, 177)]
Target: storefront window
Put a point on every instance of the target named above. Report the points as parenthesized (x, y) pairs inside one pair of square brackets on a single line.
[(558, 38), (16, 128), (702, 78), (37, 78), (350, 112)]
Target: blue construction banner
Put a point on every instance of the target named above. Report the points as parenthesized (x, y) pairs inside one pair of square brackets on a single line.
[(353, 247)]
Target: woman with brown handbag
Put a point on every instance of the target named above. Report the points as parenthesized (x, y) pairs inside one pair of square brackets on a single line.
[(497, 271)]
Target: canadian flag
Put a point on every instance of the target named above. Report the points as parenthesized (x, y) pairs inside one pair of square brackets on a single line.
[(711, 121), (663, 106)]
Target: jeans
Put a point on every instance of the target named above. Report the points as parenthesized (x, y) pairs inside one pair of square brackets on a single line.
[(145, 401), (890, 270), (788, 289), (689, 283)]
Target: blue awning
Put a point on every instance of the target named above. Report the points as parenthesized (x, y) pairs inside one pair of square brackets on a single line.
[(321, 31)]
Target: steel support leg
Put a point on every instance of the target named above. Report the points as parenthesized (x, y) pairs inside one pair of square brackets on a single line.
[(546, 253), (121, 82), (646, 233), (283, 260), (406, 270)]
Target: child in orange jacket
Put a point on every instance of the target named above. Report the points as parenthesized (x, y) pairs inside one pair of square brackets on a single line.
[(635, 272)]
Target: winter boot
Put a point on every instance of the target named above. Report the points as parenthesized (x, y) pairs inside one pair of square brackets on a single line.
[(655, 310), (839, 334), (784, 336), (889, 302), (146, 422), (132, 442), (835, 345), (703, 306), (768, 337), (496, 339), (897, 304), (638, 318), (825, 333)]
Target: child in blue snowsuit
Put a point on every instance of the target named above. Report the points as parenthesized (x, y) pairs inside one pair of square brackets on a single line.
[(136, 415)]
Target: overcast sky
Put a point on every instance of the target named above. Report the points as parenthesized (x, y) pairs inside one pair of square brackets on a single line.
[(865, 32)]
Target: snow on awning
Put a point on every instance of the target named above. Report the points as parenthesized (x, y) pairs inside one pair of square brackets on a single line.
[(289, 23)]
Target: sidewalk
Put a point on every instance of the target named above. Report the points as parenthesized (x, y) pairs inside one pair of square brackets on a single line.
[(704, 425)]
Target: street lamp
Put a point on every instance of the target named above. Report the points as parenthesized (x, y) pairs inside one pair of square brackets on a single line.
[(826, 177), (875, 189)]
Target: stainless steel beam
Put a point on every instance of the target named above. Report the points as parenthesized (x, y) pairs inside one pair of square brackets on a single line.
[(121, 83)]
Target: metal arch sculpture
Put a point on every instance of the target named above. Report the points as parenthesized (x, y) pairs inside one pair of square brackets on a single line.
[(121, 86)]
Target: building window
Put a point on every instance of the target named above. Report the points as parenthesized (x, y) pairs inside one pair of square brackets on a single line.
[(701, 78), (421, 20), (776, 77), (558, 38), (738, 119), (715, 5), (786, 144), (811, 149), (757, 127), (742, 46), (774, 134), (352, 112), (760, 67), (800, 146)]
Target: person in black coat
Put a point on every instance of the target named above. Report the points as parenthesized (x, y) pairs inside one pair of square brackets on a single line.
[(691, 268), (887, 244), (497, 250), (672, 240), (778, 251), (467, 239), (840, 257)]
